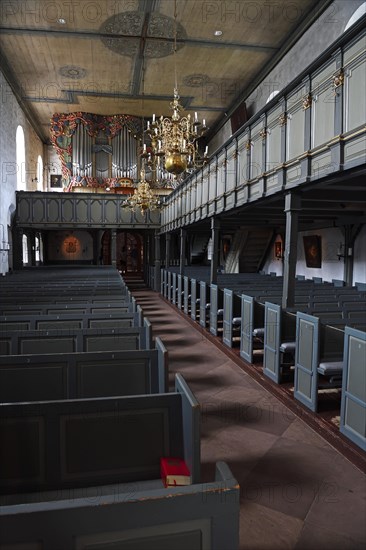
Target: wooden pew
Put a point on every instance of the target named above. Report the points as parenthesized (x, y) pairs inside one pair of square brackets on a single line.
[(203, 515), (174, 289), (71, 307), (252, 327), (195, 299), (76, 340), (83, 375), (163, 276), (231, 316), (169, 286), (71, 321), (180, 282), (186, 294), (279, 340), (353, 399), (204, 304), (319, 358), (216, 308), (93, 442)]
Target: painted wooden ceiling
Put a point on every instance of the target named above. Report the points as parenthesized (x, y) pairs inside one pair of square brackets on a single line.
[(117, 56)]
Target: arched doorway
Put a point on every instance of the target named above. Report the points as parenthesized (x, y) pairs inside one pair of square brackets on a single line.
[(129, 252)]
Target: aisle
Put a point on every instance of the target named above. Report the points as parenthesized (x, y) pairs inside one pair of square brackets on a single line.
[(296, 490)]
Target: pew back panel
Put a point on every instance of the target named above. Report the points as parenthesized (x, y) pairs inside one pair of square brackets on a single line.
[(353, 401), (204, 300), (279, 326), (315, 342), (216, 303), (247, 327), (179, 291), (70, 321), (86, 442), (69, 341), (83, 375), (203, 517)]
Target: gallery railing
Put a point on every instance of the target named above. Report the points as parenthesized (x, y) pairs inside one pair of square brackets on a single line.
[(314, 128)]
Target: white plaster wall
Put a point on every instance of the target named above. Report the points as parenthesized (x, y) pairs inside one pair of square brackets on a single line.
[(332, 267), (11, 115), (273, 264), (359, 266), (52, 167)]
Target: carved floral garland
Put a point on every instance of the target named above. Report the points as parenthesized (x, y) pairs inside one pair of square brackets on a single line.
[(63, 126)]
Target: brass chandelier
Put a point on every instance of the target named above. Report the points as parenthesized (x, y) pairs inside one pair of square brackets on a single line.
[(143, 198), (174, 145)]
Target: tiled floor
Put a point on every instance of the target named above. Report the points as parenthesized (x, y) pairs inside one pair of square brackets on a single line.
[(297, 491)]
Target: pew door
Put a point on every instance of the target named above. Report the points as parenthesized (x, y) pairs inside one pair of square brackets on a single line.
[(227, 337), (272, 341), (307, 360), (353, 401), (246, 331)]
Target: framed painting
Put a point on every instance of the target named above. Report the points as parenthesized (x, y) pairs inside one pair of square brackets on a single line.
[(55, 180), (278, 249), (313, 250)]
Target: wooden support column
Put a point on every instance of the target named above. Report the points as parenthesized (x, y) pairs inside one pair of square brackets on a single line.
[(167, 250), (32, 247), (292, 208), (350, 233), (157, 261), (114, 247), (215, 231), (17, 248), (183, 235)]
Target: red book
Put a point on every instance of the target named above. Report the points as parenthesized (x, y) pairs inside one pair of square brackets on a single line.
[(174, 471)]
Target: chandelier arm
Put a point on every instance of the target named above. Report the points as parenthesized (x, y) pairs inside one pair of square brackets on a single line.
[(175, 47)]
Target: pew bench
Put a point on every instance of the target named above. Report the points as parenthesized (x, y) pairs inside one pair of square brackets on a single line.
[(75, 340), (353, 396), (71, 321), (204, 309), (82, 443), (279, 330), (135, 515), (318, 358), (83, 375), (70, 307)]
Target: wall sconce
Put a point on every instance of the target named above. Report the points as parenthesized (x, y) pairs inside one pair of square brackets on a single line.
[(341, 252), (35, 180)]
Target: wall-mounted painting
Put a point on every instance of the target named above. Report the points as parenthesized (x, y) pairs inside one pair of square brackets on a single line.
[(55, 180), (278, 249), (313, 250)]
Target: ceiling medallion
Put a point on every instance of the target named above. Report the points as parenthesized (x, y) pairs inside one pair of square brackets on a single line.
[(71, 71), (128, 26), (196, 80)]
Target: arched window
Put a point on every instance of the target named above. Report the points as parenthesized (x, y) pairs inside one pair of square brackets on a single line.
[(20, 159), (272, 95), (361, 10), (25, 250), (39, 173)]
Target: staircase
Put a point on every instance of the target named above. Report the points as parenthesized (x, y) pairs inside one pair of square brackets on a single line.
[(134, 280), (254, 250), (232, 261), (199, 247)]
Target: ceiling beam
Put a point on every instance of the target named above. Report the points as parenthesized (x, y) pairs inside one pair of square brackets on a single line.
[(98, 35)]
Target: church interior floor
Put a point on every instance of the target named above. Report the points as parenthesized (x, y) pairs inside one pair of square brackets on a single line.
[(299, 490)]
